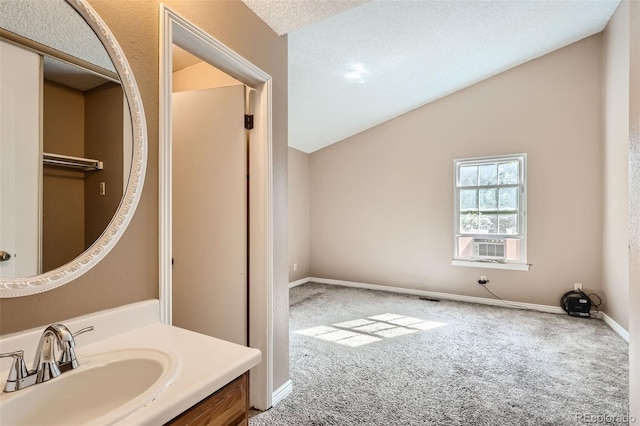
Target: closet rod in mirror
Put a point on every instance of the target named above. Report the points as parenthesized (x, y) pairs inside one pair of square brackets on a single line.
[(84, 164)]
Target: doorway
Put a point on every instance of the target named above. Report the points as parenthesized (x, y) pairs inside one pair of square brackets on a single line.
[(209, 208), (177, 30)]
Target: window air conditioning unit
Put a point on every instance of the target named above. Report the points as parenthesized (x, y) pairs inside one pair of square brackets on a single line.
[(487, 248)]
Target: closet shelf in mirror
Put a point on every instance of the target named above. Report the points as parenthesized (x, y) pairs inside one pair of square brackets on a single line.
[(84, 164)]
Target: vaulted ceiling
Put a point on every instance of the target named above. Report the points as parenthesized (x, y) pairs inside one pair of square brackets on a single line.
[(356, 64)]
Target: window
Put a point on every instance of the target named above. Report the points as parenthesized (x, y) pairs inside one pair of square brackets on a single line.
[(490, 211)]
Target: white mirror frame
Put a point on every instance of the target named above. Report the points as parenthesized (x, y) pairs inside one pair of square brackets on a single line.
[(17, 287)]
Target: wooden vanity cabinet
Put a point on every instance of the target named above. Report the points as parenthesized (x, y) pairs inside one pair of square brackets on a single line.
[(228, 406)]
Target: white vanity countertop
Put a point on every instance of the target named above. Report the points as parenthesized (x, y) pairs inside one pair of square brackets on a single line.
[(206, 365)]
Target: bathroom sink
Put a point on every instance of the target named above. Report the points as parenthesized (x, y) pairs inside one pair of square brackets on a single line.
[(104, 389)]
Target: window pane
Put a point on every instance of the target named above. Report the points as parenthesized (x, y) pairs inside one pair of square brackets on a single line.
[(488, 223), (509, 173), (488, 199), (468, 175), (468, 199), (469, 223), (509, 199), (508, 224), (487, 174), (491, 203)]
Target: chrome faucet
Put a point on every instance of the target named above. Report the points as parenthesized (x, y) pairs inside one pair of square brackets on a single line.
[(45, 364)]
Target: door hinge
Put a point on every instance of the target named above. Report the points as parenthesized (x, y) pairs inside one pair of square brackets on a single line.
[(248, 121)]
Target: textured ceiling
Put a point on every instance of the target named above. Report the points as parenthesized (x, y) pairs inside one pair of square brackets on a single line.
[(284, 16), (367, 64), (70, 75), (58, 26)]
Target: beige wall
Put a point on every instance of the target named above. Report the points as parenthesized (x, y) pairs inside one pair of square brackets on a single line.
[(382, 200), (130, 272), (621, 244), (201, 76), (299, 214), (634, 210), (103, 141), (615, 262)]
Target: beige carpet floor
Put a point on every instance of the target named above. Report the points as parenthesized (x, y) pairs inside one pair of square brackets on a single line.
[(363, 357)]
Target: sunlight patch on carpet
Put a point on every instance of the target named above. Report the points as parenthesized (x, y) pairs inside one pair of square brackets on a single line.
[(395, 332), (376, 326), (359, 340), (354, 323), (316, 331), (363, 331), (334, 336)]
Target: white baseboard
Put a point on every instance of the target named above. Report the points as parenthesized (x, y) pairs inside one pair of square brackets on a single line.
[(472, 299), (616, 327), (299, 282), (445, 296), (281, 393)]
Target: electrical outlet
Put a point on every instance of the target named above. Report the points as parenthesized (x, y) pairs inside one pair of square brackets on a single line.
[(295, 266), (577, 286), (483, 278)]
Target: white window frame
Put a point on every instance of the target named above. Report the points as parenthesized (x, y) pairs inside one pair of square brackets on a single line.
[(520, 264)]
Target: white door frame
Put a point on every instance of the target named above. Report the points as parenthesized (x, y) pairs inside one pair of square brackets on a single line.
[(174, 29)]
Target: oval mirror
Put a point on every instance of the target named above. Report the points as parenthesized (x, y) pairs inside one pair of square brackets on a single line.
[(72, 143)]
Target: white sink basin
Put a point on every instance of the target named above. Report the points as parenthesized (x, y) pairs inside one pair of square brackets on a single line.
[(104, 389)]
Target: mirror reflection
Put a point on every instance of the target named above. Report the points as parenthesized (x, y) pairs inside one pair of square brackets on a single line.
[(84, 171), (65, 151)]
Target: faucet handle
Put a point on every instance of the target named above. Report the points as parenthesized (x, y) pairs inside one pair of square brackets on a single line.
[(18, 370), (82, 330)]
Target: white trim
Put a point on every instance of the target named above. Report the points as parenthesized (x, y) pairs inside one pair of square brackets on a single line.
[(522, 211), (175, 29), (491, 265), (615, 326), (445, 296), (282, 392), (261, 250), (165, 165), (299, 282)]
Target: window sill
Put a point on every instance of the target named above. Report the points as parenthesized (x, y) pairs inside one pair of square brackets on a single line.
[(491, 265)]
